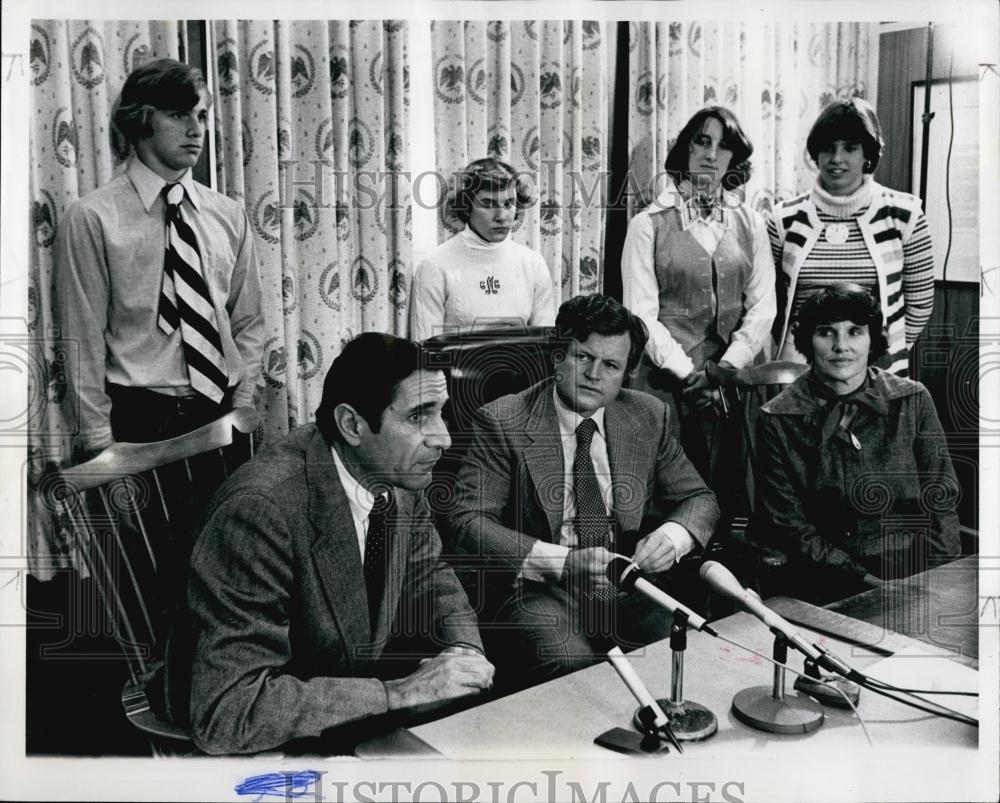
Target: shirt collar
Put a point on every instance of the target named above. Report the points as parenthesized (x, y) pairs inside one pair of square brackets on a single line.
[(149, 185), (360, 499), (672, 197), (569, 420)]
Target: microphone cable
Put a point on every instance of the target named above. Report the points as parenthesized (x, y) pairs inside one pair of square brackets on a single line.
[(891, 691), (927, 706)]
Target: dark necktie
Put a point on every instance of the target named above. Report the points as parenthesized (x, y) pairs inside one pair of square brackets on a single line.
[(375, 555), (592, 525), (186, 303)]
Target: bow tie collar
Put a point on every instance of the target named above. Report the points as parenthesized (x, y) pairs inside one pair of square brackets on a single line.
[(836, 414)]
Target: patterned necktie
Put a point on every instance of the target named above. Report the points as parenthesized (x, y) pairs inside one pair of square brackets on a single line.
[(592, 525), (375, 555), (186, 303)]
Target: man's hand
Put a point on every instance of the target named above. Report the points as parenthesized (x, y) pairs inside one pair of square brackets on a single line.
[(456, 672), (655, 553), (584, 568)]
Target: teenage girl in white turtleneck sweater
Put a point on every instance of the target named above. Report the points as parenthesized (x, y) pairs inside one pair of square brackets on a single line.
[(480, 277)]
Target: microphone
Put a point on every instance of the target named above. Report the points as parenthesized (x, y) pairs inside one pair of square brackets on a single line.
[(628, 576), (653, 717), (721, 580), (635, 685)]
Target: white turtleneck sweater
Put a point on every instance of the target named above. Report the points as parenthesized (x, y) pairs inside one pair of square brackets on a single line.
[(467, 283)]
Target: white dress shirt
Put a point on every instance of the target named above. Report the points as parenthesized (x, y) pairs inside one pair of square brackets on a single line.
[(546, 560), (359, 499)]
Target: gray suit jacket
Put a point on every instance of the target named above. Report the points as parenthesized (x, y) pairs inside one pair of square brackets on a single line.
[(282, 640), (509, 491)]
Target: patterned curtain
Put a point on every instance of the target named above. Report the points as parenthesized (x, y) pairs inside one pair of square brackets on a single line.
[(310, 137), (77, 70), (532, 93), (774, 76)]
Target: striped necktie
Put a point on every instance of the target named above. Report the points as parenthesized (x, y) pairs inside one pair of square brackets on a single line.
[(186, 302)]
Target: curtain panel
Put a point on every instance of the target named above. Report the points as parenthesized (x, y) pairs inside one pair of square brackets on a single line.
[(311, 120), (534, 94)]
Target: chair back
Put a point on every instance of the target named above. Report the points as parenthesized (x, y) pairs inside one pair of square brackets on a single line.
[(131, 511), (746, 390), (755, 385), (481, 366), (484, 365)]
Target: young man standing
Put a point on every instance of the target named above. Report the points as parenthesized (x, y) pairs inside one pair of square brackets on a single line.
[(156, 279)]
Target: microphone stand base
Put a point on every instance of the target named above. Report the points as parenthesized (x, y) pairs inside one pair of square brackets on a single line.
[(826, 694), (757, 708), (690, 722)]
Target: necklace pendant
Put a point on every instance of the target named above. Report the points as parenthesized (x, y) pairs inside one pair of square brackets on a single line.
[(836, 233)]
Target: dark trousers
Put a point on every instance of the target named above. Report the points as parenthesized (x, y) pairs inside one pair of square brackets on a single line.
[(140, 415)]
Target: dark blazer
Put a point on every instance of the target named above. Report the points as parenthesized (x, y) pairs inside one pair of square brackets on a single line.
[(509, 491), (282, 642), (856, 508)]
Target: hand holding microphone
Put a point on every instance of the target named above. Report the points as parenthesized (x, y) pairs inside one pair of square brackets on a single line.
[(627, 576), (655, 553), (585, 568)]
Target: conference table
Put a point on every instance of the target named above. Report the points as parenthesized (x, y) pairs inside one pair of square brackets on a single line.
[(932, 644)]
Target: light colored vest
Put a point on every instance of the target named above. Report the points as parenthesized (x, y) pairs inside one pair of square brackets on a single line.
[(701, 296)]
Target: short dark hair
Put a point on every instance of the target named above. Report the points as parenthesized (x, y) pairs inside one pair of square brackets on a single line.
[(733, 137), (582, 316), (365, 375), (491, 175), (164, 84), (840, 302), (851, 120)]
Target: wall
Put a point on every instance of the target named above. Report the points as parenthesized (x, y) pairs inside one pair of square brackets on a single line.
[(946, 357)]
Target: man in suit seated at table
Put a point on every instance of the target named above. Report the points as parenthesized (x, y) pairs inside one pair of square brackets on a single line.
[(560, 477), (316, 579)]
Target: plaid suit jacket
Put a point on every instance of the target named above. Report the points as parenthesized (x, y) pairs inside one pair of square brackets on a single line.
[(510, 486)]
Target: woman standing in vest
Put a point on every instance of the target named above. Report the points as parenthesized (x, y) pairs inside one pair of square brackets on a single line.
[(697, 269), (848, 228), (481, 277)]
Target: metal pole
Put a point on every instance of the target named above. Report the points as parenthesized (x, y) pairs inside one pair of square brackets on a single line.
[(927, 115)]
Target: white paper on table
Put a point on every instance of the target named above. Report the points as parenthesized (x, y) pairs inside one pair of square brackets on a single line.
[(922, 671)]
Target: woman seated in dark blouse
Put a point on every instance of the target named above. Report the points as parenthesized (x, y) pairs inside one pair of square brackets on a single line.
[(857, 484)]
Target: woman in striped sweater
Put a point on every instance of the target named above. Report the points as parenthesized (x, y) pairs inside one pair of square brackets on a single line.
[(849, 228)]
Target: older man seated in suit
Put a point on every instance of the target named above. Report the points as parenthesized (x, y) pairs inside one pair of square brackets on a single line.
[(560, 477), (316, 579)]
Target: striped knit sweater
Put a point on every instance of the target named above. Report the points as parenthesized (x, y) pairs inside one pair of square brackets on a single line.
[(888, 248)]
